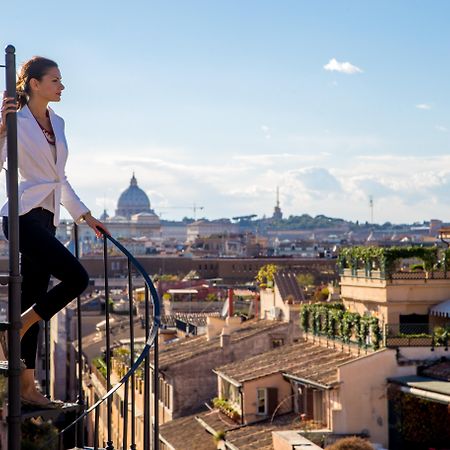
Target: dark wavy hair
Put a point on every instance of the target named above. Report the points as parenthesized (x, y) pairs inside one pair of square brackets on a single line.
[(36, 67)]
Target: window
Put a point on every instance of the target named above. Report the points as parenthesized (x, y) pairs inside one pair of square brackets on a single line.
[(319, 412), (164, 393), (261, 401), (167, 395), (277, 343), (266, 400)]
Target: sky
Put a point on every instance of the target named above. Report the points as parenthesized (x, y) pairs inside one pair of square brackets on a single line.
[(216, 103)]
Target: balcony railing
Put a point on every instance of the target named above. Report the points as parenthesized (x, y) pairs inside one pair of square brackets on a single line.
[(417, 335), (127, 382), (377, 274)]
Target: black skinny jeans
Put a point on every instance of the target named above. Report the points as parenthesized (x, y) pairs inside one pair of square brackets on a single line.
[(42, 256)]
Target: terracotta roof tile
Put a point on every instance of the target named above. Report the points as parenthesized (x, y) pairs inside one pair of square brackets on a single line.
[(440, 371), (287, 284), (304, 360), (187, 348), (257, 436), (186, 433)]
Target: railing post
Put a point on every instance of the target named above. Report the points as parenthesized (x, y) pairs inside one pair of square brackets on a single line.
[(109, 444), (47, 357), (147, 377), (14, 432), (133, 396), (79, 434), (156, 394), (125, 416)]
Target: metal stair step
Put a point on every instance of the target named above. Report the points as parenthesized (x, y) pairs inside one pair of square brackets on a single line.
[(4, 326), (4, 368), (4, 279)]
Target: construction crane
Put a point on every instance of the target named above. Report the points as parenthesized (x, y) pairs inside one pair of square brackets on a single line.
[(194, 208), (245, 218)]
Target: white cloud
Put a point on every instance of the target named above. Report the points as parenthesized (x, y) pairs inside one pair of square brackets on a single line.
[(423, 106), (441, 128), (405, 188), (342, 67)]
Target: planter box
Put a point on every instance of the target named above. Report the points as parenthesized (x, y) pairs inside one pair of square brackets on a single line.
[(409, 342)]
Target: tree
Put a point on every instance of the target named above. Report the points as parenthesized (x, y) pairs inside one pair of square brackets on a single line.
[(266, 274)]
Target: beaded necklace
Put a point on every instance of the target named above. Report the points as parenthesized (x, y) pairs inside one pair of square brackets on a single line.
[(49, 134)]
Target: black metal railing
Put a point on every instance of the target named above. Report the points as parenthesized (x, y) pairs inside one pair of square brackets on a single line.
[(152, 321), (417, 335), (13, 324), (127, 381)]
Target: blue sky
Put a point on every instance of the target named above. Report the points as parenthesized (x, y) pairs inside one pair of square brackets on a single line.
[(218, 102)]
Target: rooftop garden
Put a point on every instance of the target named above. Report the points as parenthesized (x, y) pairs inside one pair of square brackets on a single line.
[(387, 260), (334, 322)]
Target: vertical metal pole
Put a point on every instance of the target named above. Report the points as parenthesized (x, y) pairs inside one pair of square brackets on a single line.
[(133, 405), (96, 420), (79, 435), (109, 444), (125, 416), (156, 394), (14, 271), (47, 357), (147, 377)]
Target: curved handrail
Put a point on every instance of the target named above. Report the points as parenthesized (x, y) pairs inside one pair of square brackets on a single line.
[(153, 334)]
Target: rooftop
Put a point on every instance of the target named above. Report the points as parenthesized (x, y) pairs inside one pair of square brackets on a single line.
[(196, 432), (190, 347), (440, 371), (257, 435), (287, 284), (186, 433), (304, 360), (424, 384)]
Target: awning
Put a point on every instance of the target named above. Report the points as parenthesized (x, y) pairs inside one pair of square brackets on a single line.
[(182, 291), (424, 387), (441, 309)]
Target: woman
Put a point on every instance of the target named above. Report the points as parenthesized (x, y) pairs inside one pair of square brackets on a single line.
[(42, 154)]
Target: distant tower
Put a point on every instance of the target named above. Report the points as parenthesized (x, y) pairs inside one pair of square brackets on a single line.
[(371, 208), (104, 217), (277, 214)]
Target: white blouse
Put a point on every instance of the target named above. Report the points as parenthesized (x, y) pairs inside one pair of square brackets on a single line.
[(40, 175)]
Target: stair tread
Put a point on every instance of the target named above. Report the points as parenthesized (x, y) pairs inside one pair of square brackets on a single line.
[(4, 368), (4, 278), (4, 326)]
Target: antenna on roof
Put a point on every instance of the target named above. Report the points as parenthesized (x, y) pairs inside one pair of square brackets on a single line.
[(371, 208)]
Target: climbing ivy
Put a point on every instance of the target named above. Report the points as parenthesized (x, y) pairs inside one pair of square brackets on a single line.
[(385, 258), (334, 322)]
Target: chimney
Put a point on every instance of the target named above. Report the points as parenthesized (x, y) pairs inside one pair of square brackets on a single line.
[(214, 326), (225, 338), (230, 303)]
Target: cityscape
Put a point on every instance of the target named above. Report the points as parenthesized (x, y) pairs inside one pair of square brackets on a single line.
[(280, 335), (258, 203)]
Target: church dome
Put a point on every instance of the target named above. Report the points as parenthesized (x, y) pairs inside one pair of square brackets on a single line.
[(133, 200)]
